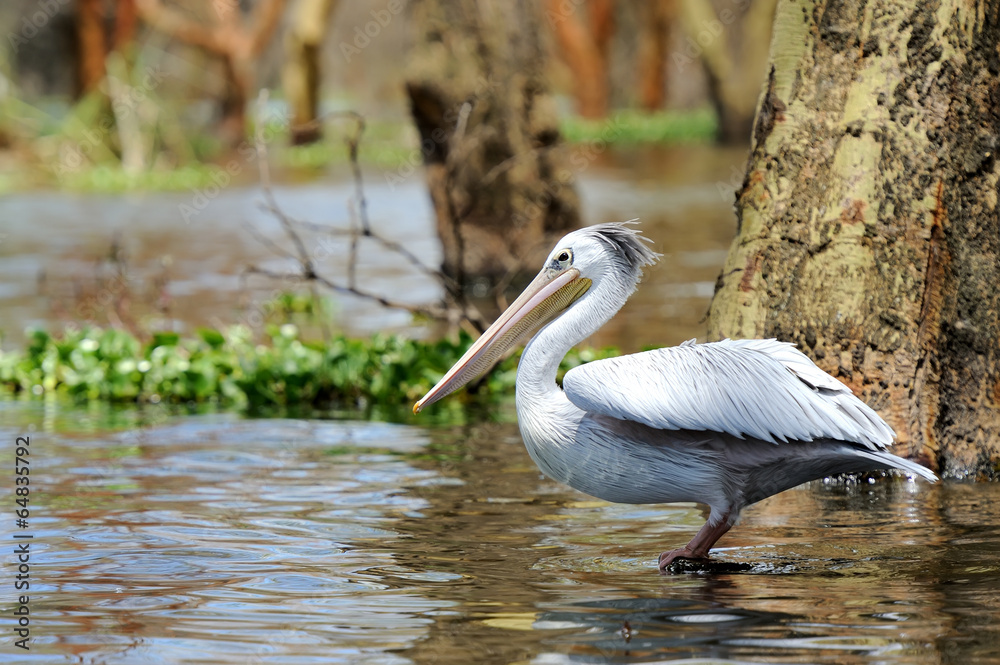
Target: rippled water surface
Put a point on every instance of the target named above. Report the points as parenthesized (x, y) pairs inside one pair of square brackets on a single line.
[(167, 538)]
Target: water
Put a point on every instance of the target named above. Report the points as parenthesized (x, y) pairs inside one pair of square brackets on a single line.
[(216, 539)]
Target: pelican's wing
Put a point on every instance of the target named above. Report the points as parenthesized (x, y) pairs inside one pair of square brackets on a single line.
[(761, 388)]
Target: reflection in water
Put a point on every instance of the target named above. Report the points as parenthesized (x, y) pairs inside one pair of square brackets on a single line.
[(216, 539), (838, 573), (638, 629)]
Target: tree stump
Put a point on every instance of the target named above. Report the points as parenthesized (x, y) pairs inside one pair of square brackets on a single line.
[(501, 188)]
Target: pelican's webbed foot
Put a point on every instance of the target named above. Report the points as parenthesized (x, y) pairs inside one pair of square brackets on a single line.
[(700, 545), (668, 558)]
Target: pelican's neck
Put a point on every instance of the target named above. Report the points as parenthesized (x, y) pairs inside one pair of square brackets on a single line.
[(536, 373)]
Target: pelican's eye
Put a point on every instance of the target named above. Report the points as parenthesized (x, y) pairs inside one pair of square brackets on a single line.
[(564, 258)]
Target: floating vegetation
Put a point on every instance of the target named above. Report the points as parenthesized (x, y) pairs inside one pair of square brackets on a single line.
[(386, 373)]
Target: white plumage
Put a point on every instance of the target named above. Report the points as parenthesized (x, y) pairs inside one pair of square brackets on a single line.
[(765, 389)]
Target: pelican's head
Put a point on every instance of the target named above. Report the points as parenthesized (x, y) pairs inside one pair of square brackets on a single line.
[(609, 257)]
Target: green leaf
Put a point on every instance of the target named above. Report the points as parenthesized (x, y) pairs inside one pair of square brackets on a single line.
[(165, 338), (212, 337)]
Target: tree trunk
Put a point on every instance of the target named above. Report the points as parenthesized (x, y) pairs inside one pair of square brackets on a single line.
[(126, 17), (93, 44), (601, 14), (868, 229), (300, 75), (585, 52), (732, 49), (236, 95), (224, 32), (657, 16), (489, 137)]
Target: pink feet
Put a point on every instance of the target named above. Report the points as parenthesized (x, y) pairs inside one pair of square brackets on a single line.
[(700, 545), (668, 558)]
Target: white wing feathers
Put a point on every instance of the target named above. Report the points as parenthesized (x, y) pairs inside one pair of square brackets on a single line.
[(761, 388)]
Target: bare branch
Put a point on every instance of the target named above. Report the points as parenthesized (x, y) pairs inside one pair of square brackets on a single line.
[(431, 312), (309, 271), (265, 19), (455, 309), (457, 292), (227, 35), (509, 163), (462, 122), (387, 244), (180, 27), (352, 257), (267, 242), (353, 145), (360, 228)]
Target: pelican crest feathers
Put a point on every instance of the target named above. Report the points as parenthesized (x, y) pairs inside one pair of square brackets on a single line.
[(626, 244)]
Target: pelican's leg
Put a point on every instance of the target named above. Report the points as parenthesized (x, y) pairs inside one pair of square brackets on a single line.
[(700, 545)]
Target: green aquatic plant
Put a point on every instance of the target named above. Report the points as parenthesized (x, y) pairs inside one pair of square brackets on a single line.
[(630, 127), (61, 154), (384, 374)]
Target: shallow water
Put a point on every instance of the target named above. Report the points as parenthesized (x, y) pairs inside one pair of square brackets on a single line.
[(216, 539)]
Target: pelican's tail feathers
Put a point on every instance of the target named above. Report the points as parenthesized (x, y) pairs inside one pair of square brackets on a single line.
[(900, 463)]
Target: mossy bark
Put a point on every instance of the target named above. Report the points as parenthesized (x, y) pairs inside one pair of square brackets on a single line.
[(868, 229), (489, 133)]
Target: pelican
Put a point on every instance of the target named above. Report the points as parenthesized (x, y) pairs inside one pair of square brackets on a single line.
[(724, 424)]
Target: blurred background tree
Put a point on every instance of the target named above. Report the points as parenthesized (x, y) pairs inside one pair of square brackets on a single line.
[(613, 55), (122, 94), (631, 51), (221, 29), (733, 47), (489, 136), (302, 72), (584, 43)]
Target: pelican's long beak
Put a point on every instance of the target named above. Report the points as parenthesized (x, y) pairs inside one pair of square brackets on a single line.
[(548, 294)]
